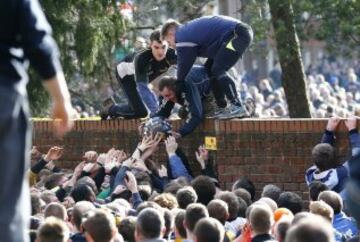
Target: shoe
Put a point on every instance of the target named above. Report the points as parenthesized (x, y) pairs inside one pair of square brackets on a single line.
[(106, 104), (250, 106), (217, 112), (234, 111)]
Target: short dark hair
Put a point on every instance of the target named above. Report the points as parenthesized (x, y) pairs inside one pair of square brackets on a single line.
[(233, 203), (333, 199), (186, 196), (315, 188), (35, 203), (271, 191), (100, 225), (155, 36), (219, 210), (323, 156), (243, 207), (194, 212), (169, 221), (82, 193), (53, 230), (150, 223), (247, 184), (53, 180), (243, 194), (204, 188), (56, 210), (127, 228), (168, 82), (179, 223), (170, 23), (209, 230), (291, 201)]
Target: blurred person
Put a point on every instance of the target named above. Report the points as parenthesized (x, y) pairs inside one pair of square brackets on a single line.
[(25, 35), (209, 230), (53, 230)]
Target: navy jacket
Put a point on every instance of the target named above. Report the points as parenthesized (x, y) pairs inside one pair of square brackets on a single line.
[(201, 37), (25, 34), (190, 99)]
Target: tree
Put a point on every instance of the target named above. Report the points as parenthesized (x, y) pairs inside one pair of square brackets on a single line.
[(86, 31), (288, 47)]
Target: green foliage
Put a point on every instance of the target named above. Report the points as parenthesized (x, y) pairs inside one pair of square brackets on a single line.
[(337, 22), (86, 32)]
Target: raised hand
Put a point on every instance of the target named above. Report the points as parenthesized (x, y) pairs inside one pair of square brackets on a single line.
[(351, 123), (53, 153), (130, 182), (90, 156), (332, 124), (171, 145), (162, 171), (202, 155)]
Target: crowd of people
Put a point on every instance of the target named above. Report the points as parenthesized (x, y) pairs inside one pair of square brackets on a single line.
[(113, 196), (333, 89)]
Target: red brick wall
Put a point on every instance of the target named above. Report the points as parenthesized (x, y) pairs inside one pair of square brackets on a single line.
[(266, 151)]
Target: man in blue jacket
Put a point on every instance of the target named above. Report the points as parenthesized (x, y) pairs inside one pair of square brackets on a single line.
[(24, 35), (221, 39)]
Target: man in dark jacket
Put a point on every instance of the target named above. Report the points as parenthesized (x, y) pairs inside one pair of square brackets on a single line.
[(24, 34), (135, 72), (222, 40)]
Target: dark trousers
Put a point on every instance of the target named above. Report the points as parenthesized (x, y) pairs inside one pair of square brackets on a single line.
[(226, 57), (15, 138), (135, 107)]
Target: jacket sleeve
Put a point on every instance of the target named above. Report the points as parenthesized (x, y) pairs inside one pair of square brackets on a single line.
[(165, 109), (193, 100), (328, 137), (37, 42), (178, 168)]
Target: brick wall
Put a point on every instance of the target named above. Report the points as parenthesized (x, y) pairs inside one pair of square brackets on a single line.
[(266, 151)]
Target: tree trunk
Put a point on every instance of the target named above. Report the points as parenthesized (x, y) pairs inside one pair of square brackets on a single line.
[(293, 76)]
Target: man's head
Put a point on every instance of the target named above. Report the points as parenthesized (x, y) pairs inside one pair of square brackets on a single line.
[(79, 210), (186, 196), (180, 231), (315, 188), (194, 212), (333, 199), (127, 228), (233, 203), (149, 225), (272, 191), (209, 230), (83, 193), (99, 226), (291, 201), (56, 210), (246, 184), (281, 228), (261, 219), (311, 229), (166, 200), (168, 32), (167, 88), (323, 209), (53, 230), (157, 46), (323, 156), (204, 188), (219, 210)]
